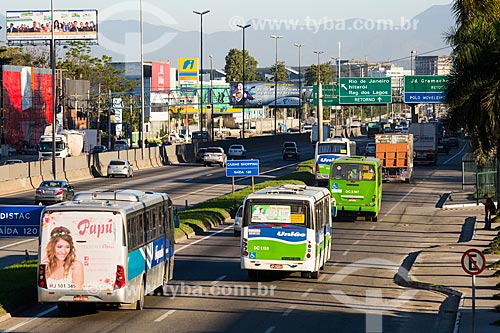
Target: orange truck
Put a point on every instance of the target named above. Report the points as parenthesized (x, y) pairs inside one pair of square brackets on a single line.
[(395, 152)]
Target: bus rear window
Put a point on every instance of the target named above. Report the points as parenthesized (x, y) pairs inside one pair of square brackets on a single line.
[(294, 214)]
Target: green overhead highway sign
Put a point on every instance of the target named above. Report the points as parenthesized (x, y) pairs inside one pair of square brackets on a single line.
[(424, 88), (330, 93), (369, 90)]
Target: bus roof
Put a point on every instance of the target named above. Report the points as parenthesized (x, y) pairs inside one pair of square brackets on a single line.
[(357, 159), (290, 191)]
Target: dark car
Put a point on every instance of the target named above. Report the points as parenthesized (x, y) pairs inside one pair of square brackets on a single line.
[(291, 153), (200, 155), (53, 191), (443, 147), (99, 149), (453, 142)]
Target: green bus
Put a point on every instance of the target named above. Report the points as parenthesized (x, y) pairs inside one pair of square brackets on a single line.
[(287, 228), (356, 186)]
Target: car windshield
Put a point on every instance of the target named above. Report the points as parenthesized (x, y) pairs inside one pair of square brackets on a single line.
[(214, 150), (115, 162), (236, 147)]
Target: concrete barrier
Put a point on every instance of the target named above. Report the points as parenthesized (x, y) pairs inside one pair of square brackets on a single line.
[(28, 175)]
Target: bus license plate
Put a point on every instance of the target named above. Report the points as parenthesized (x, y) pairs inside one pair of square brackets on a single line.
[(80, 298), (277, 266)]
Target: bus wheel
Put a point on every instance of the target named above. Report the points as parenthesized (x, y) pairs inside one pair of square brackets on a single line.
[(374, 218), (305, 275), (315, 275)]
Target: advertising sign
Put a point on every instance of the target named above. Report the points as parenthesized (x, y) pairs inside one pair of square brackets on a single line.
[(188, 70), (258, 94), (36, 24), (271, 213), (95, 244), (160, 80), (20, 221)]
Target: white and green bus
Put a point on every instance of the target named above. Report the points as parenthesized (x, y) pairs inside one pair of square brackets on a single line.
[(287, 228), (106, 247), (328, 151)]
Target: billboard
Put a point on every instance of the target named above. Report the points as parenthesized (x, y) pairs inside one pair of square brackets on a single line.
[(188, 70), (35, 24), (27, 104), (258, 94), (160, 80)]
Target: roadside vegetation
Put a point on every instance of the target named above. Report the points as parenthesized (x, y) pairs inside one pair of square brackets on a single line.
[(19, 281)]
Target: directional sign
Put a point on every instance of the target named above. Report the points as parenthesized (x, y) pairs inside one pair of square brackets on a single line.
[(242, 168), (473, 262), (20, 221), (424, 88), (329, 93), (360, 90)]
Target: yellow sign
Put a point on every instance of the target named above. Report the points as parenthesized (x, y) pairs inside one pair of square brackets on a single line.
[(188, 70)]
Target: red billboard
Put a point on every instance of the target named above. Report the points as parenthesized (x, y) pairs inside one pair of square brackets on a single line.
[(27, 104), (160, 80)]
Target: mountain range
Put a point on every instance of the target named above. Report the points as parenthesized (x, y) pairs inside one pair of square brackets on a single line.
[(359, 39)]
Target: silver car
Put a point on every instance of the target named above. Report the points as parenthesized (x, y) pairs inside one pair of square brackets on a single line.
[(53, 191), (121, 145), (236, 151), (215, 155), (120, 168), (238, 218)]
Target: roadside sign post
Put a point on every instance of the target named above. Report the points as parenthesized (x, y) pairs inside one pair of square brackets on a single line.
[(242, 168), (473, 263)]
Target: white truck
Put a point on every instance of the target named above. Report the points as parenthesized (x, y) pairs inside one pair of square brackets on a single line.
[(68, 143), (425, 140)]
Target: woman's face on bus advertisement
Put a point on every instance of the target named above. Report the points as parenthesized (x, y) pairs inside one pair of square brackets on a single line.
[(62, 249)]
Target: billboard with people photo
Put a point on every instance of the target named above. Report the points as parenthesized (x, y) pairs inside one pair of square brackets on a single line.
[(36, 24), (258, 94)]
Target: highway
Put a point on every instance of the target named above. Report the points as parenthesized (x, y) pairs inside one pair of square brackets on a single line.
[(210, 293)]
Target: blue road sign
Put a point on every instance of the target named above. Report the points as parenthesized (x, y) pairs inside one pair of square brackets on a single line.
[(20, 221), (242, 168), (424, 97)]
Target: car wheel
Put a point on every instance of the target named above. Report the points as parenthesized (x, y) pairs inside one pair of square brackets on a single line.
[(109, 176)]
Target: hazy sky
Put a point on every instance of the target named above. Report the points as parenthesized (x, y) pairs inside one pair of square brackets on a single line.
[(224, 14)]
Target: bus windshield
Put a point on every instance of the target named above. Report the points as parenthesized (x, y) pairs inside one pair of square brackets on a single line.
[(289, 213), (353, 172), (332, 148)]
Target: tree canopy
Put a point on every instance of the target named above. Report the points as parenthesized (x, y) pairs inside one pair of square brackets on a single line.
[(325, 73), (234, 66)]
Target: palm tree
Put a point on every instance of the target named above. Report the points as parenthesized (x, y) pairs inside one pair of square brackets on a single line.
[(473, 89)]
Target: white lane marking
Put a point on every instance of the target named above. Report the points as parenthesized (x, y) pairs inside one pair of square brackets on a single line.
[(18, 243), (345, 253), (356, 242), (220, 278), (400, 201), (165, 315), (41, 314), (458, 153), (288, 311), (202, 239), (306, 292), (270, 329)]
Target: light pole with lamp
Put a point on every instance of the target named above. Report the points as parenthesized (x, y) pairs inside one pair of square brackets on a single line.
[(414, 116), (243, 97), (210, 120), (300, 87), (320, 102), (53, 68), (142, 84), (201, 67), (276, 37)]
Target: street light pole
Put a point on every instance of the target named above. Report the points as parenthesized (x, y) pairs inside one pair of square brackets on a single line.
[(142, 86), (54, 106), (320, 102), (243, 27), (300, 88), (201, 67), (210, 120), (276, 37)]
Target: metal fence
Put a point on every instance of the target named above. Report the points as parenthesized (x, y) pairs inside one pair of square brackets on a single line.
[(485, 181)]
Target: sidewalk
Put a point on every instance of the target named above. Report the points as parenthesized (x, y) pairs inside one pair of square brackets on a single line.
[(440, 269)]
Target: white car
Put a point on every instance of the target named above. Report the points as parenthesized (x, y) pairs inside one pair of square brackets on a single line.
[(236, 151), (215, 155), (238, 219), (120, 168)]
